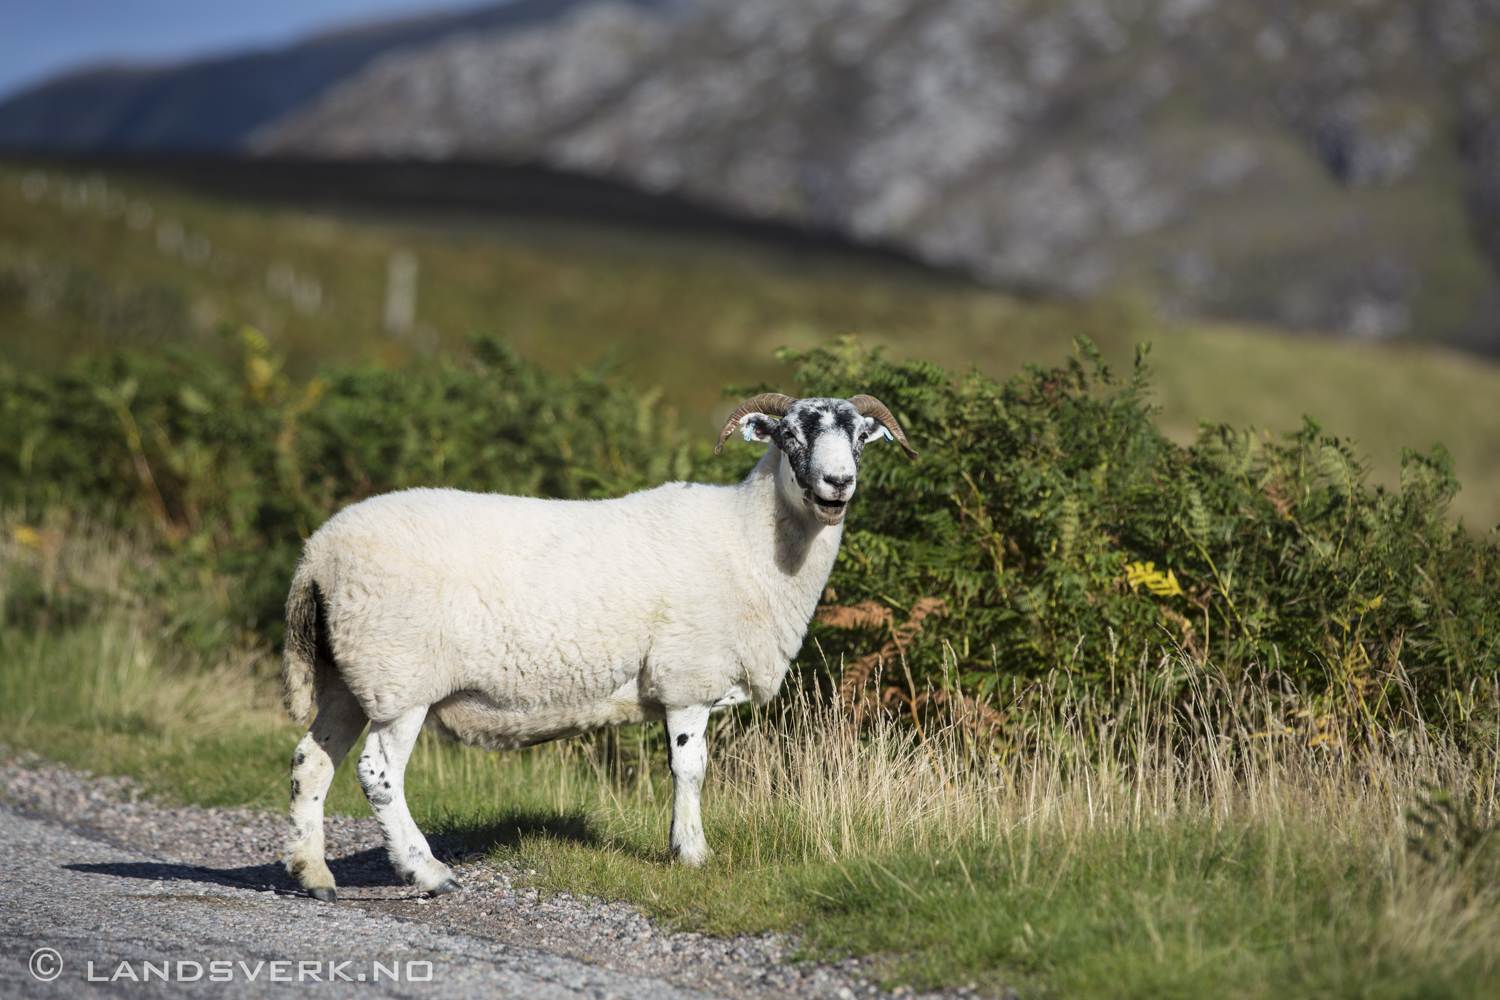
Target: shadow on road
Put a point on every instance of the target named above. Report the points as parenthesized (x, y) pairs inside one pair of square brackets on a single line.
[(364, 868), (456, 838)]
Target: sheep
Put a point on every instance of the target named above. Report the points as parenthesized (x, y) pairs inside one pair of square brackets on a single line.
[(507, 621)]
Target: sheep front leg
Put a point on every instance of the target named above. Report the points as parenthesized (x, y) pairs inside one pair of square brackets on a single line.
[(687, 755), (338, 724), (382, 774)]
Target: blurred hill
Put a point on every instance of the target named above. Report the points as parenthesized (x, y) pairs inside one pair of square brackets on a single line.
[(1310, 164), (212, 105)]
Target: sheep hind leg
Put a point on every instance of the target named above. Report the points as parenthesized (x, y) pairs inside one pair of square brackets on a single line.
[(337, 726), (687, 754), (382, 774)]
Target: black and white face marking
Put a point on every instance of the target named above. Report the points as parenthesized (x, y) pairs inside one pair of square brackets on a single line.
[(822, 440)]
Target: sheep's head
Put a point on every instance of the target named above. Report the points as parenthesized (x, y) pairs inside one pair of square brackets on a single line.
[(821, 441)]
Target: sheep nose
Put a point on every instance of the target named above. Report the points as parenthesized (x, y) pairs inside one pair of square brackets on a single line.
[(839, 483)]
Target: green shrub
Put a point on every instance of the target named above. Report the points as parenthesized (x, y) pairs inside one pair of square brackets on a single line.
[(1065, 534), (233, 470), (1050, 532)]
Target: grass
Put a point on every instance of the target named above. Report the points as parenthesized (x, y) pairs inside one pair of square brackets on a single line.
[(1165, 859), (95, 673), (83, 268), (1116, 846)]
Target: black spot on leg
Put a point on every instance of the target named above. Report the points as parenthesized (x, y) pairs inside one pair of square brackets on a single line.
[(682, 739), (367, 781), (299, 759), (296, 788)]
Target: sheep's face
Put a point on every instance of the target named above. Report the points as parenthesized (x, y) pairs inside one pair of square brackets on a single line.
[(821, 440)]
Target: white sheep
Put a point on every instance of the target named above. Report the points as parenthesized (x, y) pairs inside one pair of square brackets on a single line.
[(505, 621)]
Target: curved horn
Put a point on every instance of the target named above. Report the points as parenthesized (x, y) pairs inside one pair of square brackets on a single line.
[(869, 406), (772, 403)]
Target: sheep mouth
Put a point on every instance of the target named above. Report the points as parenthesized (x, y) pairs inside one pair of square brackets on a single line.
[(830, 512)]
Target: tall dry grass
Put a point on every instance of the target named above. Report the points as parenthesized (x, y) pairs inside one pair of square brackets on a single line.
[(1231, 753), (1136, 846), (104, 664), (78, 592)]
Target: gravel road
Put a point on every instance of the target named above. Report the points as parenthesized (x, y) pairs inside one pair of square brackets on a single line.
[(101, 875)]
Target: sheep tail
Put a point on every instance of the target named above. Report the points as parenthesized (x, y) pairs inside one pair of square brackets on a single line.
[(299, 658)]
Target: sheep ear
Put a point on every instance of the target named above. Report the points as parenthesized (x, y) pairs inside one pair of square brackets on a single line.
[(757, 427), (874, 431)]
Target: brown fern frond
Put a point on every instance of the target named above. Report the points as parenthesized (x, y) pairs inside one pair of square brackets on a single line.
[(865, 614), (856, 675), (920, 611)]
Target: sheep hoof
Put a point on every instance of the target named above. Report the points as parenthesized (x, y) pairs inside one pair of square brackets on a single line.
[(328, 895), (693, 857), (451, 885)]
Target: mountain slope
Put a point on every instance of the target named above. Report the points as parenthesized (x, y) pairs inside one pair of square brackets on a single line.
[(214, 104), (1315, 165)]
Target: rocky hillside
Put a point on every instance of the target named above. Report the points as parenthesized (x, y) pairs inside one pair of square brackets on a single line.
[(1328, 164)]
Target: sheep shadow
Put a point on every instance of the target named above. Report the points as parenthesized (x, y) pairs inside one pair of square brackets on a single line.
[(468, 836), (369, 868), (453, 840)]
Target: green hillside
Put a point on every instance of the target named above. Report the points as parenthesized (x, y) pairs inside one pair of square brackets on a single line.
[(92, 263)]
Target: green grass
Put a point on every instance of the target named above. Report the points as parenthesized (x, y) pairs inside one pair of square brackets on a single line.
[(688, 313)]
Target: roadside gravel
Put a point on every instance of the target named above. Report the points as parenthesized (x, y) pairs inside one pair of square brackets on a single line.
[(94, 861)]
